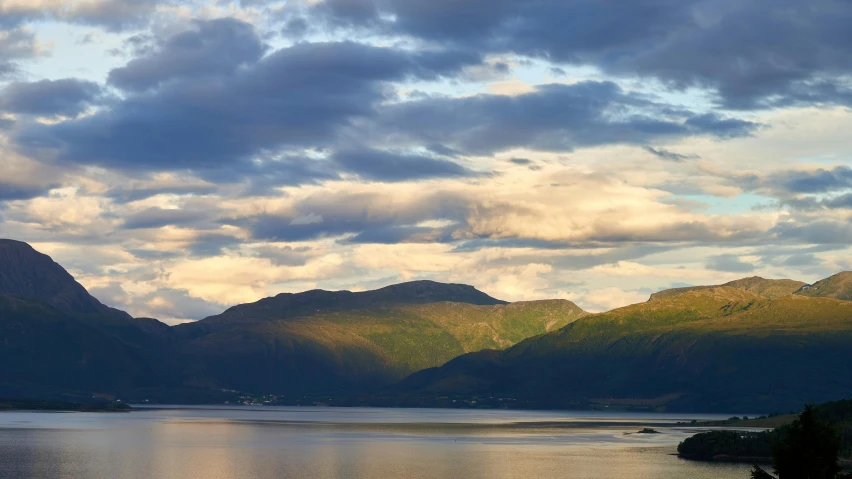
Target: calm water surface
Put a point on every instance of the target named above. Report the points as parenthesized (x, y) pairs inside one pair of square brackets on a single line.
[(306, 443)]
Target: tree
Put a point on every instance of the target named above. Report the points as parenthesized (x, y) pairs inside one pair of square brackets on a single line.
[(758, 473), (809, 451)]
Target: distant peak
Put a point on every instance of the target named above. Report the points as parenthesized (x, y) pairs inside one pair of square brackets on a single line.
[(291, 305), (10, 243), (432, 291), (768, 288), (838, 286), (27, 273)]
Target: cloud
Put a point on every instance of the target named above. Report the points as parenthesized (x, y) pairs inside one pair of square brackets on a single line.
[(369, 216), (295, 98), (569, 207), (212, 244), (751, 54), (210, 48), (378, 165), (842, 201), (130, 191), (209, 166), (554, 117), (114, 15), (15, 44), (23, 179), (817, 181), (158, 217), (11, 191), (285, 255), (521, 161), (605, 299), (173, 306), (729, 263), (348, 12), (799, 260), (68, 97), (799, 189), (669, 155), (531, 165), (239, 279), (817, 231)]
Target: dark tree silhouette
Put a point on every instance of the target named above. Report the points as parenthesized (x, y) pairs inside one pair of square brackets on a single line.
[(758, 473), (809, 451)]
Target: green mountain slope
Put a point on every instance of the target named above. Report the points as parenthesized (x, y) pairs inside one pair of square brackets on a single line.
[(718, 348), (56, 337), (769, 288), (751, 345), (333, 346), (838, 286)]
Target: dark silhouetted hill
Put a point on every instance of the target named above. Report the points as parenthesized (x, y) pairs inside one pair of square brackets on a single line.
[(26, 273)]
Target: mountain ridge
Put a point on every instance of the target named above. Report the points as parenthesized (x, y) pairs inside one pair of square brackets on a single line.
[(289, 305), (719, 348), (27, 273), (315, 341), (838, 286), (770, 288), (741, 345)]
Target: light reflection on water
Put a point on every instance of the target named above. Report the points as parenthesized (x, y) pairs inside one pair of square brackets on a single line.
[(260, 443)]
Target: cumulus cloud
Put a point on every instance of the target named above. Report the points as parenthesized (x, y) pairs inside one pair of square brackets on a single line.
[(49, 98), (751, 54), (816, 181), (156, 217), (10, 191), (554, 117), (605, 299), (295, 98), (15, 44), (729, 263), (24, 179), (533, 149), (111, 14), (570, 208), (802, 188), (131, 190), (387, 166), (209, 48), (173, 306)]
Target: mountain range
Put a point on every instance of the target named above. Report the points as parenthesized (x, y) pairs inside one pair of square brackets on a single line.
[(723, 348), (60, 338), (749, 345)]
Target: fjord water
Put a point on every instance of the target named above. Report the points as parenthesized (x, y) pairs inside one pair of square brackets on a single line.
[(352, 443)]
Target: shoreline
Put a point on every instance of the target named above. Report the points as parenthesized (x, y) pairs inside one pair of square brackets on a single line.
[(723, 458), (35, 405)]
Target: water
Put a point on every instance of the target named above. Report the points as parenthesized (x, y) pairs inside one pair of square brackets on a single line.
[(307, 443)]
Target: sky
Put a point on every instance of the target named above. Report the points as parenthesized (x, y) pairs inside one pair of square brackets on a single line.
[(179, 157)]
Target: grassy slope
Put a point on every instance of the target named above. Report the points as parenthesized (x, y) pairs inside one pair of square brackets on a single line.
[(838, 286), (718, 348), (362, 348), (769, 288)]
